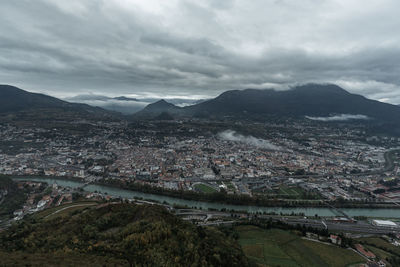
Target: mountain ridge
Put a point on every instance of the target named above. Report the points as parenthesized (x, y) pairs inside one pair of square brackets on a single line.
[(311, 100), (14, 99), (158, 108), (321, 100)]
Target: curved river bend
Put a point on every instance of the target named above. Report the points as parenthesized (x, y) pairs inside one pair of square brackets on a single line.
[(116, 192)]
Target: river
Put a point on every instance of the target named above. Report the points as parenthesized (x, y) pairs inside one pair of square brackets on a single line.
[(116, 192)]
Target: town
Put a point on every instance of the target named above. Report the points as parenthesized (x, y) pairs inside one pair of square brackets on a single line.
[(291, 164), (301, 160)]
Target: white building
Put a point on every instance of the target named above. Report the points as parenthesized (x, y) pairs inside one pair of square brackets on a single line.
[(384, 223)]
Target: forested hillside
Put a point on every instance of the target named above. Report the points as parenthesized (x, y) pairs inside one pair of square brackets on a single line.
[(122, 234)]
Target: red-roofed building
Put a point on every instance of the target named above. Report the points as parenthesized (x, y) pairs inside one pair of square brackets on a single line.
[(364, 252)]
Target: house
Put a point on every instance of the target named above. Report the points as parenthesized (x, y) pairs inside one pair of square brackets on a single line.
[(335, 240), (364, 252), (18, 212)]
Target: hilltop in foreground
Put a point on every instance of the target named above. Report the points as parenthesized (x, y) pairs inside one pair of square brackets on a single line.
[(117, 234)]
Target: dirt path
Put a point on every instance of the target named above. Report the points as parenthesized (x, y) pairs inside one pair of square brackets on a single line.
[(73, 206)]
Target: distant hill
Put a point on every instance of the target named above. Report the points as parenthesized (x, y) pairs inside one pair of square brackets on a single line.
[(126, 105), (13, 99), (157, 109), (122, 104), (312, 100), (164, 116), (117, 235)]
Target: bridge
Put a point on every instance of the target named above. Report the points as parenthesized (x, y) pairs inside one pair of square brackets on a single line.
[(84, 185), (341, 212)]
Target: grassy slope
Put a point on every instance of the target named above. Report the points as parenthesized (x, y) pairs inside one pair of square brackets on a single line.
[(379, 242), (120, 233), (282, 248), (63, 210), (380, 247)]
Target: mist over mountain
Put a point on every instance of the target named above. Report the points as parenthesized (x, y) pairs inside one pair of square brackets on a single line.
[(340, 117), (318, 102), (311, 100), (126, 105), (13, 99)]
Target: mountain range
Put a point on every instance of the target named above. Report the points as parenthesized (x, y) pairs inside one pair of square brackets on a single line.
[(123, 104), (13, 99), (312, 101), (325, 102)]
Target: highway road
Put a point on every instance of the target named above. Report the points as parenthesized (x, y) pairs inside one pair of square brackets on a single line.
[(320, 223), (357, 227)]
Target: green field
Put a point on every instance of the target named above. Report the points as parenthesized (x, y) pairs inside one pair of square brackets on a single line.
[(381, 243), (276, 247), (205, 188), (230, 186), (290, 192)]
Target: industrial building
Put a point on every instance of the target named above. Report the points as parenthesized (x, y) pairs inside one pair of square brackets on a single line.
[(384, 223)]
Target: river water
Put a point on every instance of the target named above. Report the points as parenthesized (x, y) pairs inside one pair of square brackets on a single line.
[(116, 192)]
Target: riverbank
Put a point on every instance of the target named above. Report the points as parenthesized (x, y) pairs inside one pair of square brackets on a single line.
[(244, 200), (70, 178), (307, 211), (221, 198)]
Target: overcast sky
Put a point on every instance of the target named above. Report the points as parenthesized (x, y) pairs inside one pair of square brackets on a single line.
[(198, 49)]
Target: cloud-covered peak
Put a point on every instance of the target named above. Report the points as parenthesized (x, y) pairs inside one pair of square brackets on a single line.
[(127, 105), (181, 48)]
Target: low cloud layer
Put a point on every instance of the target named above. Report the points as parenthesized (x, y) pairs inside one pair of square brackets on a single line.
[(125, 105), (231, 135), (182, 48), (341, 117)]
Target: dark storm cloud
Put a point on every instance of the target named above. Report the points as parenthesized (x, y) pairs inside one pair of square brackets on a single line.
[(198, 49)]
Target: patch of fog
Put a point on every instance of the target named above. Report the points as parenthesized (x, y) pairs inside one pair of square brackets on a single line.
[(231, 135), (123, 106), (340, 117), (127, 105), (181, 105)]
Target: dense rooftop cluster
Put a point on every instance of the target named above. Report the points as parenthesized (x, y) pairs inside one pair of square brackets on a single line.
[(184, 155)]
